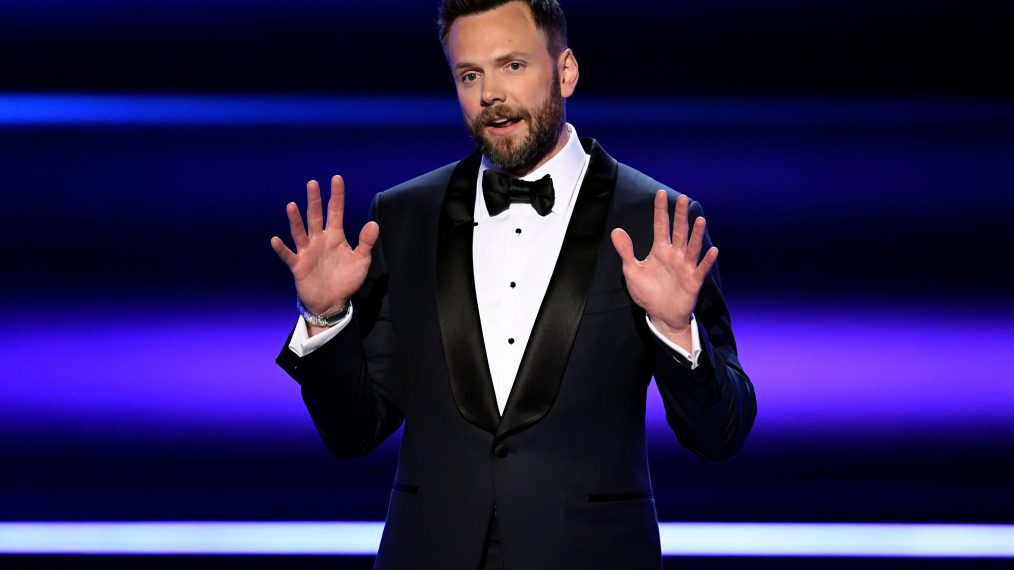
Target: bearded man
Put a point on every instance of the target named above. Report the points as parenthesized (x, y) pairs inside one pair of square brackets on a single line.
[(510, 331)]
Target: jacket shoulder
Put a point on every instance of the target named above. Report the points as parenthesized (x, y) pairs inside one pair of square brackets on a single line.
[(634, 186), (424, 188)]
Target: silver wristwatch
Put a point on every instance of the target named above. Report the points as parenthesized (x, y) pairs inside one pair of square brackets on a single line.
[(323, 320)]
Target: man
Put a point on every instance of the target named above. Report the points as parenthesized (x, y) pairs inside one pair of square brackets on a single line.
[(513, 338)]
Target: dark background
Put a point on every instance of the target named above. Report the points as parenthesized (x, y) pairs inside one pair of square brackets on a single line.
[(734, 47), (854, 159)]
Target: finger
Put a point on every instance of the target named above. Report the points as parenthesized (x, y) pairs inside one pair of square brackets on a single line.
[(368, 238), (661, 228), (314, 212), (296, 227), (706, 264), (284, 253), (696, 241), (679, 222), (624, 245), (336, 205)]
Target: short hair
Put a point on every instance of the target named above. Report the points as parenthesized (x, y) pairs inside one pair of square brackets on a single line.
[(548, 16)]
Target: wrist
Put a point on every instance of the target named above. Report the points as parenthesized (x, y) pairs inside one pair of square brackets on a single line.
[(328, 318), (666, 327)]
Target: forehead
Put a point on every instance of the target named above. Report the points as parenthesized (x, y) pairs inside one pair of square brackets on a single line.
[(487, 35)]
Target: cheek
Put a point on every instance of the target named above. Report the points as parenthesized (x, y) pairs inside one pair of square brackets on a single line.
[(469, 108), (534, 92)]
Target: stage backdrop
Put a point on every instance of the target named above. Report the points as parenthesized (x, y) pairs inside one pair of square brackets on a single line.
[(853, 159)]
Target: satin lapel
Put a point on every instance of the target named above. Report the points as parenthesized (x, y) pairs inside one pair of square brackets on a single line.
[(460, 328), (545, 359)]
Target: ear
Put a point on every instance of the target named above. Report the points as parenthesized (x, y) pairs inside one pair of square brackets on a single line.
[(569, 73)]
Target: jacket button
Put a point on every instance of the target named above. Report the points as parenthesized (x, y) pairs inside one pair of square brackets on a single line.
[(500, 451)]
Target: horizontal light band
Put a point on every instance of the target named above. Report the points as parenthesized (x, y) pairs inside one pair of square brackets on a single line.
[(838, 540), (362, 538), (344, 538), (54, 109), (218, 110)]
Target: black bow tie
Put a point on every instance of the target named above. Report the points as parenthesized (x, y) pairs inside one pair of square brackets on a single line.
[(500, 190)]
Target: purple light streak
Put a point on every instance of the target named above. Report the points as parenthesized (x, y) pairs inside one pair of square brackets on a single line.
[(834, 370)]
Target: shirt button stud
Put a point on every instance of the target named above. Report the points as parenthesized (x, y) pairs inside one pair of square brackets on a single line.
[(510, 341), (513, 284), (501, 451), (518, 231)]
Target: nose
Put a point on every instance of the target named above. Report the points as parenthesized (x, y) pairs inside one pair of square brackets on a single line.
[(492, 92)]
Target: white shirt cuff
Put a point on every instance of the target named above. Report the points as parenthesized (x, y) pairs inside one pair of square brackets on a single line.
[(695, 342), (303, 344)]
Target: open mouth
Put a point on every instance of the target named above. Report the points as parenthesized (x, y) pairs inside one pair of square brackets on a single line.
[(502, 122)]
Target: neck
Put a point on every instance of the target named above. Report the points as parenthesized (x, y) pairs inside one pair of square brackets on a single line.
[(561, 141)]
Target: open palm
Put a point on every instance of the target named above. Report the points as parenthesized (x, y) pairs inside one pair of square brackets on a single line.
[(667, 282), (325, 267)]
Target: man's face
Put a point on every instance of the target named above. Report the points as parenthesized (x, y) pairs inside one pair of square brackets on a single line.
[(508, 86)]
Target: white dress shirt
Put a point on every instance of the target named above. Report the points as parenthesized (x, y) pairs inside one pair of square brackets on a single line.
[(513, 255)]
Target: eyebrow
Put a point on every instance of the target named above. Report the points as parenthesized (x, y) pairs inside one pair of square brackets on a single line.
[(499, 60)]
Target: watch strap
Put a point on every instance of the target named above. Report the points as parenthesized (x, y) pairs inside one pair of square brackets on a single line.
[(323, 320)]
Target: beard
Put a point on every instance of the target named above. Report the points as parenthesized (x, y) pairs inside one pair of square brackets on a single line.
[(544, 126)]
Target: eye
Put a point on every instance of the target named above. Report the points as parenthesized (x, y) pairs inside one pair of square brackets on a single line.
[(469, 77), (515, 66)]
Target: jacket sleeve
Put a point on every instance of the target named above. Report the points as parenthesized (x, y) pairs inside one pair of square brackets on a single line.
[(352, 384), (711, 409)]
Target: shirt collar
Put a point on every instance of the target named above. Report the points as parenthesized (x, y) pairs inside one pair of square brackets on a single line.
[(565, 168)]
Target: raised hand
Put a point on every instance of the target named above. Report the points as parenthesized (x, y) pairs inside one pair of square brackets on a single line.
[(326, 269), (667, 282)]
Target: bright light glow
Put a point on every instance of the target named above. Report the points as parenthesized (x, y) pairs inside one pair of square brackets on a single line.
[(164, 110), (838, 540), (345, 538), (42, 109), (362, 538)]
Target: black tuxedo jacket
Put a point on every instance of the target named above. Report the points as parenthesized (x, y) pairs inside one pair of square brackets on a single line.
[(565, 469)]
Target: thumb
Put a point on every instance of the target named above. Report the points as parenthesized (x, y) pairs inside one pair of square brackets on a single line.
[(623, 244), (368, 237)]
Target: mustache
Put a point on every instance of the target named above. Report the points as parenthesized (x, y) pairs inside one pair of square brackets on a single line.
[(502, 110)]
